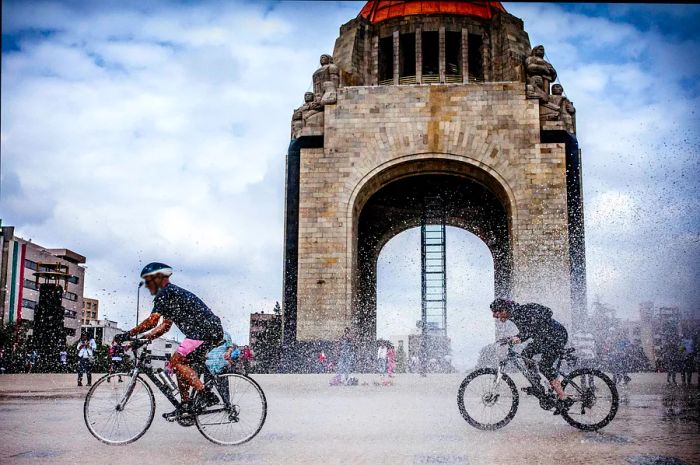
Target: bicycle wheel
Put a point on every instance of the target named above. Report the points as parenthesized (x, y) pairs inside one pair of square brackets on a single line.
[(110, 424), (240, 413), (595, 399), (485, 402)]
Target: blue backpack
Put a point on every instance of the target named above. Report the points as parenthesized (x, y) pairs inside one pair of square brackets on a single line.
[(216, 363)]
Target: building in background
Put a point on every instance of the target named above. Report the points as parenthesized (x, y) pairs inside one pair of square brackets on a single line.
[(90, 310), (260, 322), (103, 331), (19, 293), (265, 339)]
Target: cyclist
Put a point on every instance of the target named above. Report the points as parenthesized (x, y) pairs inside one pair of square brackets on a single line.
[(548, 336), (202, 330)]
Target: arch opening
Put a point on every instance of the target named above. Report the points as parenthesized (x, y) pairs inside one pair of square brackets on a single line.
[(470, 289), (394, 201)]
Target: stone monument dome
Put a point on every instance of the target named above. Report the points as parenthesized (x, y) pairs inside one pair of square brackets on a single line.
[(380, 10)]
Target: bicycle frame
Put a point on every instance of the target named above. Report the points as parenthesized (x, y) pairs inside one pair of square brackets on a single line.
[(522, 363), (141, 367)]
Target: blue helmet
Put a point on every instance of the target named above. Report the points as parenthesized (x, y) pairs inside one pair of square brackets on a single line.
[(156, 268)]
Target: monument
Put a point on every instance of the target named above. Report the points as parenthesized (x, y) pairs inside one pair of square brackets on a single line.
[(422, 101)]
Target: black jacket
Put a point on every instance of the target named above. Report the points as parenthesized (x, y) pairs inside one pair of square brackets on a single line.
[(534, 321)]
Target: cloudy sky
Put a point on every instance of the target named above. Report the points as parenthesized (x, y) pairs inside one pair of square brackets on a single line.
[(136, 131)]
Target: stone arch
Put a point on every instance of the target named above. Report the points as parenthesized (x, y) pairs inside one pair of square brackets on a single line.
[(478, 200)]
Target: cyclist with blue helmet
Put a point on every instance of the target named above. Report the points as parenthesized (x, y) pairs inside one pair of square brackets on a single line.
[(202, 329)]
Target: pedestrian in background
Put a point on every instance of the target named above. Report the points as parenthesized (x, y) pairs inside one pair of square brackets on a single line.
[(116, 360), (381, 358), (32, 358), (63, 361), (687, 361), (345, 359), (390, 360), (246, 359), (86, 354), (670, 358)]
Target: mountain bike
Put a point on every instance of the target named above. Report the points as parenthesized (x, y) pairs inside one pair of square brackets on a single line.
[(120, 413), (488, 398)]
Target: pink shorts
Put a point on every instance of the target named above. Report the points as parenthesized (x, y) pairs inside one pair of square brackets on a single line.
[(188, 346)]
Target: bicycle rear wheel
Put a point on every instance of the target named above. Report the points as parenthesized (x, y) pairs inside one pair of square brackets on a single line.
[(486, 402), (595, 396), (111, 424), (240, 414)]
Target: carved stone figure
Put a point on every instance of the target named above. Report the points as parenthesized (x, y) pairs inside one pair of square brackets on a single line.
[(559, 108), (326, 80), (539, 74), (309, 114)]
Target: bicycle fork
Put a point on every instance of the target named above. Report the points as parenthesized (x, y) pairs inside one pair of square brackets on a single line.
[(129, 390)]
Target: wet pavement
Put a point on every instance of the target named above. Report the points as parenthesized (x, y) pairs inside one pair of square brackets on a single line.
[(415, 421)]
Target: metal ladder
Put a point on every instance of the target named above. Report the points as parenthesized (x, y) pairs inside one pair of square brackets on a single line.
[(433, 267)]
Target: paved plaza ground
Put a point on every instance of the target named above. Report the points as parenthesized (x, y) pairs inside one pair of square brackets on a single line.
[(415, 421)]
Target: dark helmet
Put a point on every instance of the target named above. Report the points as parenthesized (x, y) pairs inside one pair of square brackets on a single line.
[(156, 268), (503, 304)]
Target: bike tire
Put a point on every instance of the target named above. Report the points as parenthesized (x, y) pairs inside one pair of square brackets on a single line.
[(472, 421), (613, 406), (90, 397), (200, 420)]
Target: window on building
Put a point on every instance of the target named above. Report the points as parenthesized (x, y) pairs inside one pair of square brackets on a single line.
[(407, 55), (29, 284), (430, 48), (168, 346), (73, 280), (26, 303), (70, 296), (476, 60), (30, 264), (453, 53), (386, 59), (69, 331)]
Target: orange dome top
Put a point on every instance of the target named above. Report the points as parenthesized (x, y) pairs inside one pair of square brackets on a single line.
[(379, 10)]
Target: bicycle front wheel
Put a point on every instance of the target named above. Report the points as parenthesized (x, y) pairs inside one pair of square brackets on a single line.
[(240, 413), (486, 402), (119, 413), (595, 396)]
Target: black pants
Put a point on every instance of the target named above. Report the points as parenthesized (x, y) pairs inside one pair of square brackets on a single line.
[(84, 366), (550, 345)]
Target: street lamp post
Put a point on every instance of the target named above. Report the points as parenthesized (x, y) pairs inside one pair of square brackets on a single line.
[(138, 301)]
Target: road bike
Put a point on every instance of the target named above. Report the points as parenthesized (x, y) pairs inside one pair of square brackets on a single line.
[(488, 398), (120, 413)]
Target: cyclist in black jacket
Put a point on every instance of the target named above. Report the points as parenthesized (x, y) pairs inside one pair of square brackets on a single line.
[(548, 336)]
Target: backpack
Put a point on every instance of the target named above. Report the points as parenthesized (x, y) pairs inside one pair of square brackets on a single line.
[(216, 363)]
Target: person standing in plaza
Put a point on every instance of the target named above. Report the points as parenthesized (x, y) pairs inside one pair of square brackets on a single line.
[(670, 359), (116, 360), (86, 353), (381, 358), (63, 360), (687, 362), (390, 360), (246, 359), (345, 358)]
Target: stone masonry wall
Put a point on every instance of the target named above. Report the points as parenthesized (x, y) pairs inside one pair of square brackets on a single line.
[(490, 126)]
